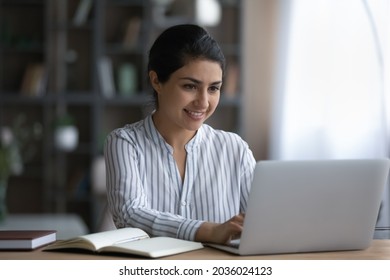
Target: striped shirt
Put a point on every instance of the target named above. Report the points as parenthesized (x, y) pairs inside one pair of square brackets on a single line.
[(145, 189)]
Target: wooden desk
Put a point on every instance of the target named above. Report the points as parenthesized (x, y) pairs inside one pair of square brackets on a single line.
[(379, 250)]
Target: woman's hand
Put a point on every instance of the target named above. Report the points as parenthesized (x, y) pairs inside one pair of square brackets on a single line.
[(221, 233)]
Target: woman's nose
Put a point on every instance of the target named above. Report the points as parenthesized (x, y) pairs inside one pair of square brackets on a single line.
[(202, 99)]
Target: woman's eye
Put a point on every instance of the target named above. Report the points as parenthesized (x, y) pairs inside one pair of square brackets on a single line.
[(213, 89), (190, 86)]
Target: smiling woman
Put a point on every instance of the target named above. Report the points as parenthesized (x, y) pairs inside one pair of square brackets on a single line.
[(171, 174)]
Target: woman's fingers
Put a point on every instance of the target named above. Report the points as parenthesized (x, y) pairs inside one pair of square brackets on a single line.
[(235, 227), (221, 233)]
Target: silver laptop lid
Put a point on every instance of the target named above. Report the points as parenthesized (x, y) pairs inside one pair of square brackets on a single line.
[(305, 206)]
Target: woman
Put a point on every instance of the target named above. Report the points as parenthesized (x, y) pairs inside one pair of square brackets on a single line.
[(170, 174)]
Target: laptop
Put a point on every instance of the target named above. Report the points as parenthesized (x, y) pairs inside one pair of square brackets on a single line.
[(311, 206)]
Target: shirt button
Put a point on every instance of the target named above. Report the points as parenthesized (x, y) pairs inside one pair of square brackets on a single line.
[(183, 203)]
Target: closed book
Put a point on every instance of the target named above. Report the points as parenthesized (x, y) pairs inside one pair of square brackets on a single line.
[(106, 77), (132, 31), (133, 241), (82, 12), (34, 80), (26, 239)]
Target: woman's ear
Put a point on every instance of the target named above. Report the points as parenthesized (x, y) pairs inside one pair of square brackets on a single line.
[(154, 81)]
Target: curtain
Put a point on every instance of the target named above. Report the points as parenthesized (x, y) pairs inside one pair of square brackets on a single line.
[(332, 97)]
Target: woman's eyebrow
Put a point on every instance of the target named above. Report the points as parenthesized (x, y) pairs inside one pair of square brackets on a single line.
[(198, 81)]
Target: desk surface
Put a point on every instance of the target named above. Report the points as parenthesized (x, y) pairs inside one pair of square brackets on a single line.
[(379, 250)]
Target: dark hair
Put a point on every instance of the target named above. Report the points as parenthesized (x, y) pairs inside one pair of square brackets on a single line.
[(179, 44)]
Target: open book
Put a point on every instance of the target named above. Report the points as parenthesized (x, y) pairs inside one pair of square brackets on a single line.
[(128, 241)]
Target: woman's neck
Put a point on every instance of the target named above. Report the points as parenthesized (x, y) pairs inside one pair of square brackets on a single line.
[(176, 137)]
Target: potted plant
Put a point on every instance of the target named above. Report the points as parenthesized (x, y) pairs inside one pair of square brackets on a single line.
[(66, 134), (17, 146)]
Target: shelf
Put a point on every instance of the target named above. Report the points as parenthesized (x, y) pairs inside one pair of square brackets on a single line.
[(118, 49), (135, 100), (78, 98), (71, 54), (127, 3), (17, 98)]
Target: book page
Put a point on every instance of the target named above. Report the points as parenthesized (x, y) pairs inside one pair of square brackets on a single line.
[(154, 247), (116, 236), (94, 241)]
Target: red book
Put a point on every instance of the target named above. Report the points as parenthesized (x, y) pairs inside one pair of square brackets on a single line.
[(25, 239)]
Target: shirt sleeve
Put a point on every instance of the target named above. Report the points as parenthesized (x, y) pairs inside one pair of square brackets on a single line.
[(126, 194)]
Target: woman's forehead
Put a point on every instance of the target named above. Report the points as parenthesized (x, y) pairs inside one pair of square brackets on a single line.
[(200, 68)]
